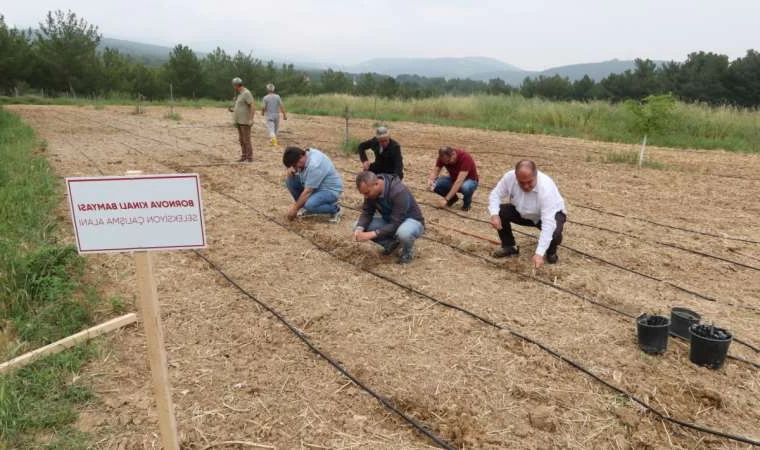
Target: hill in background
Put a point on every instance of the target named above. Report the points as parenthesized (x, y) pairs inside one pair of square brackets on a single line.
[(475, 68)]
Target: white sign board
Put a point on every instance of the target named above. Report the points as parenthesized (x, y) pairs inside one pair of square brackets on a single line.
[(133, 213)]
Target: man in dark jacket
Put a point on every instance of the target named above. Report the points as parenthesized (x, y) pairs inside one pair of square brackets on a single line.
[(400, 220), (387, 154)]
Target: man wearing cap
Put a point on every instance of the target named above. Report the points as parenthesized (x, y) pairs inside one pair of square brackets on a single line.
[(463, 177), (400, 220), (387, 154), (242, 113), (534, 201), (313, 183), (271, 112)]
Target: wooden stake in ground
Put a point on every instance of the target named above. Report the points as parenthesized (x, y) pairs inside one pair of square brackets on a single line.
[(67, 342), (345, 135), (171, 99), (641, 152), (154, 335)]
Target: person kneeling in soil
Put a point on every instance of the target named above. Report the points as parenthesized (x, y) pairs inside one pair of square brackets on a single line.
[(387, 153), (463, 177), (535, 201), (400, 220), (313, 182)]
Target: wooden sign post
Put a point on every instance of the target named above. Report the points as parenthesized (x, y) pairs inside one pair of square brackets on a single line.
[(154, 335), (140, 213)]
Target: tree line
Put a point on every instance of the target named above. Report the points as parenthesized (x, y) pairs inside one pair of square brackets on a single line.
[(62, 57)]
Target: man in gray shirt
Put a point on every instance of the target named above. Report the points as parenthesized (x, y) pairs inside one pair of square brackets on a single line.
[(271, 112)]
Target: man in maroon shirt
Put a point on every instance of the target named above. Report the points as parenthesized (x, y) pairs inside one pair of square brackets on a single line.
[(463, 177)]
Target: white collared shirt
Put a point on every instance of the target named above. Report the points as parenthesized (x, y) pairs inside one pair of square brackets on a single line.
[(540, 204)]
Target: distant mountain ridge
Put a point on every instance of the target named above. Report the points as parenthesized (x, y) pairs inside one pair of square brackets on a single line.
[(475, 68), (432, 67)]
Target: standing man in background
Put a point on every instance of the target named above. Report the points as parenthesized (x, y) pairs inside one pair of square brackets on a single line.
[(271, 112), (242, 113), (534, 201), (463, 177), (387, 154)]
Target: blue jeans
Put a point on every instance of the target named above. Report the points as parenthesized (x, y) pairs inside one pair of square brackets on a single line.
[(443, 186), (406, 233), (319, 202)]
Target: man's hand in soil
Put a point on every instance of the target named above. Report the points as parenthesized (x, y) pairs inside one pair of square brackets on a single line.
[(442, 202), (362, 236), (496, 222), (538, 261), (292, 212)]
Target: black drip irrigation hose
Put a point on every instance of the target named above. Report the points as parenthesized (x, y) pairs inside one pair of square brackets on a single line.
[(633, 236), (652, 222), (552, 285), (305, 339), (493, 324), (610, 263), (487, 321), (668, 244), (460, 215), (573, 293), (664, 225), (338, 366)]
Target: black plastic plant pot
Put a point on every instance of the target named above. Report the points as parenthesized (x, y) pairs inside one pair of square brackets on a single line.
[(680, 321), (709, 345), (653, 333)]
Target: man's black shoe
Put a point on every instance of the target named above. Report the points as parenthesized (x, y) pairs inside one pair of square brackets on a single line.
[(504, 252), (388, 249)]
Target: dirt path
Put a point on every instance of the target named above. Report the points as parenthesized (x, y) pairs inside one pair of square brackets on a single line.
[(237, 374)]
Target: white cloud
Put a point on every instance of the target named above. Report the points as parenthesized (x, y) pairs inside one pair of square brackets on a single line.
[(532, 35)]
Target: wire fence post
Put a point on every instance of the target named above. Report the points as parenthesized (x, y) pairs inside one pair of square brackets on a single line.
[(641, 152), (171, 99), (345, 134)]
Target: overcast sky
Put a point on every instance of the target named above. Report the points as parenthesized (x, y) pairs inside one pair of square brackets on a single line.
[(529, 34)]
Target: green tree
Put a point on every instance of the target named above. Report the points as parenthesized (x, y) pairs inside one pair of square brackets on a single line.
[(366, 85), (387, 88), (553, 88), (218, 72), (16, 57), (116, 73), (497, 86), (653, 115), (335, 82), (290, 81), (583, 88), (184, 72), (148, 82), (704, 77), (67, 50), (255, 76), (744, 79), (644, 80)]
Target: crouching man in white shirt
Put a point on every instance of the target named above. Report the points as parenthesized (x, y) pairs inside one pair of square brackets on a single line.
[(534, 201)]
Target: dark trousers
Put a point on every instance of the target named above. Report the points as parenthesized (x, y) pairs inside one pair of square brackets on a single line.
[(244, 135), (509, 215)]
